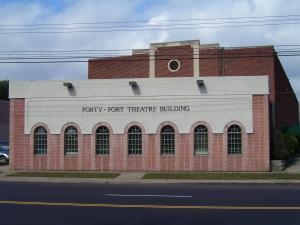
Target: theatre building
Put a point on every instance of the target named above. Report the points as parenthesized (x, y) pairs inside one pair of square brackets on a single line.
[(177, 106)]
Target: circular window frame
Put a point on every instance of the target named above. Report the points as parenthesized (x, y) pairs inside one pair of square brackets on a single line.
[(169, 63)]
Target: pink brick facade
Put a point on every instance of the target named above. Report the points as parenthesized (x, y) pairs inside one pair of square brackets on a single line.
[(254, 157)]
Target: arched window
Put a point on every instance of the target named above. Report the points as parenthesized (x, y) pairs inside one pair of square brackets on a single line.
[(201, 140), (102, 140), (234, 139), (167, 140), (40, 141), (134, 140), (71, 140)]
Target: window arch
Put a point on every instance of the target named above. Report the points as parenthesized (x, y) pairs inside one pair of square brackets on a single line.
[(201, 140), (167, 140), (234, 140), (40, 141), (134, 140), (102, 140), (71, 140)]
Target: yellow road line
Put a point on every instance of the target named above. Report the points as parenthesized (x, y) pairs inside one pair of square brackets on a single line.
[(76, 204)]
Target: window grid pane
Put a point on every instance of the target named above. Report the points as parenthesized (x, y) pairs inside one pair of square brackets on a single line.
[(167, 140), (201, 140), (71, 140), (102, 140), (234, 138), (40, 141), (134, 140)]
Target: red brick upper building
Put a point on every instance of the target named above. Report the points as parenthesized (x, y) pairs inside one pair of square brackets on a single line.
[(206, 61)]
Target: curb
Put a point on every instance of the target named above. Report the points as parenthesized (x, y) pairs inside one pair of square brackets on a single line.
[(134, 178), (141, 181)]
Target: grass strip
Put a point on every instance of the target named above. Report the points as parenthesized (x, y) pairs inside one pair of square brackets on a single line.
[(222, 176), (64, 174)]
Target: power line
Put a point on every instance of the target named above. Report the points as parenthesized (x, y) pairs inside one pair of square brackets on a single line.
[(82, 55), (120, 51), (69, 59), (148, 25), (149, 29), (154, 21), (116, 50)]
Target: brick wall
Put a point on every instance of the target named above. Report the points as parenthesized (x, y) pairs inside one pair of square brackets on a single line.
[(239, 62), (254, 157), (286, 103), (248, 61), (19, 146), (210, 61), (119, 67)]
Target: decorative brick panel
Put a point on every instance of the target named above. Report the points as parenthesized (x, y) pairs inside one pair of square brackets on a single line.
[(151, 163), (85, 152), (134, 163), (183, 152), (119, 153), (102, 162), (40, 162), (184, 54), (54, 153), (71, 162), (216, 153)]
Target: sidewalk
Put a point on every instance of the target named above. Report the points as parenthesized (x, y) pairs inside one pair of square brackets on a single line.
[(294, 166), (133, 178)]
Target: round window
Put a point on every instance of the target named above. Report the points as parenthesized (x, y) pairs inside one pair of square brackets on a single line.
[(174, 65)]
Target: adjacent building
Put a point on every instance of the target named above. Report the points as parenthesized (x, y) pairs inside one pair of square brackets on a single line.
[(4, 122)]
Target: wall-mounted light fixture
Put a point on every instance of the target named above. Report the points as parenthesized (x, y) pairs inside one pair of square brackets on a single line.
[(68, 85), (135, 87), (200, 83), (133, 84), (201, 86)]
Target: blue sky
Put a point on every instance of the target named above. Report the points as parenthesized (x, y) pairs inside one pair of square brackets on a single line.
[(29, 12), (56, 5)]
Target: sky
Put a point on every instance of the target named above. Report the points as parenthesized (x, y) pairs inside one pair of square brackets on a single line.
[(39, 28)]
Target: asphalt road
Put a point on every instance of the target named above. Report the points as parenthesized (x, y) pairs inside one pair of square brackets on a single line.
[(83, 204)]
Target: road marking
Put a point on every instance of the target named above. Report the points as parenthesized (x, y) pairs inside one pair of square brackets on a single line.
[(161, 196), (211, 207)]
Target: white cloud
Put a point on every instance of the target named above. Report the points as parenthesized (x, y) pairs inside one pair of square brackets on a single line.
[(134, 10)]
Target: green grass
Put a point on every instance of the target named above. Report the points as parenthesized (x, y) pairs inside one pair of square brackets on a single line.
[(222, 176), (64, 174)]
